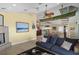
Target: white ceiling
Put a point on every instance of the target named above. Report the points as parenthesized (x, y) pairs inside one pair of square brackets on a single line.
[(25, 7), (38, 8)]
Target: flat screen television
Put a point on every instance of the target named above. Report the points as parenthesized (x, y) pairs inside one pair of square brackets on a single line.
[(22, 27)]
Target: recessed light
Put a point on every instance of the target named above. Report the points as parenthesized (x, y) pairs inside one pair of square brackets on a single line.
[(58, 3), (14, 5), (9, 7)]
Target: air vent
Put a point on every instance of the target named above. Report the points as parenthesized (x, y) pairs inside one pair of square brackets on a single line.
[(3, 8)]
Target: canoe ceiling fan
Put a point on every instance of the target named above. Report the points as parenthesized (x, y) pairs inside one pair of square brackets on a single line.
[(66, 12)]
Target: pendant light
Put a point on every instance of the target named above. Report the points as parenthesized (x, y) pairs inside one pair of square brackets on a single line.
[(48, 13)]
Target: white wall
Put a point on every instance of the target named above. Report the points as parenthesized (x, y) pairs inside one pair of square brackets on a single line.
[(75, 20)]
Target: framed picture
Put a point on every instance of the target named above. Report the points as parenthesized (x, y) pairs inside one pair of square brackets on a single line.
[(22, 27)]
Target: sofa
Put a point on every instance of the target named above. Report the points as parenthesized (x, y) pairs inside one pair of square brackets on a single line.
[(53, 45)]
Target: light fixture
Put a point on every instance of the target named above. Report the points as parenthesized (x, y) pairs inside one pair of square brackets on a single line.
[(9, 7), (13, 5), (48, 13), (3, 9), (58, 3)]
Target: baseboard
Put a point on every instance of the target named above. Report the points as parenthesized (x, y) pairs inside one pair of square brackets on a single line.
[(23, 42), (4, 46)]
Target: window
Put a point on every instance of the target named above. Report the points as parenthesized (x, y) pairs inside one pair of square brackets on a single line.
[(22, 27), (61, 29)]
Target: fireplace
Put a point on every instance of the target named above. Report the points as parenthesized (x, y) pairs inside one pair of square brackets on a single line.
[(4, 37)]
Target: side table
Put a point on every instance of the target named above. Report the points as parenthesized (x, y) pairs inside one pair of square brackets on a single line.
[(76, 48)]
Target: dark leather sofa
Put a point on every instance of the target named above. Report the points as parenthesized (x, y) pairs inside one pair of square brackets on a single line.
[(53, 45)]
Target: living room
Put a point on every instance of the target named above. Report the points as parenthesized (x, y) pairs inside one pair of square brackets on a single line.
[(20, 22)]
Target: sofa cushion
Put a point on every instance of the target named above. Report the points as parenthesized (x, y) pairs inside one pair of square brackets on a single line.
[(44, 39), (52, 40), (48, 39), (49, 43), (46, 45), (66, 45), (59, 41), (73, 41), (61, 51)]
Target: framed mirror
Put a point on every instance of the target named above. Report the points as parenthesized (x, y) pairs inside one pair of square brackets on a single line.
[(1, 20)]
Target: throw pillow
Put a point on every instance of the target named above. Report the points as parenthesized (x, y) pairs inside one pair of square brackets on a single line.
[(66, 45), (44, 39)]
